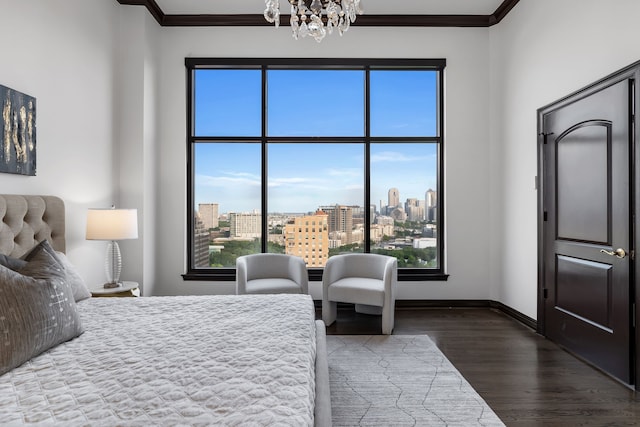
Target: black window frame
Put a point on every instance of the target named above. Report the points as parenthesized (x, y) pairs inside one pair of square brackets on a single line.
[(315, 274)]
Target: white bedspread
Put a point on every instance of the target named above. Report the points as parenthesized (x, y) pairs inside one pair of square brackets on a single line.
[(195, 360)]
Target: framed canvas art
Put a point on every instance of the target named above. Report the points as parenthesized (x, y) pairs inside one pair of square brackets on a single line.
[(18, 132)]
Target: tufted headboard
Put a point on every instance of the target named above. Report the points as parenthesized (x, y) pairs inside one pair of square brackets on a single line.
[(27, 220)]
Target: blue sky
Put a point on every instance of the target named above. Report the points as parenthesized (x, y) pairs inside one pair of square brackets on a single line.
[(312, 103)]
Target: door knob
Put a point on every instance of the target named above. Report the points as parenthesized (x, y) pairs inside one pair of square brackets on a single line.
[(619, 253)]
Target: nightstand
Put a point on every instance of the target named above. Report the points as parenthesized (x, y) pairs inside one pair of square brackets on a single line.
[(128, 289)]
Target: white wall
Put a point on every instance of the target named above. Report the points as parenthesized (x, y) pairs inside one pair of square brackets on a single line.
[(151, 157), (136, 147), (63, 52), (466, 133), (542, 51)]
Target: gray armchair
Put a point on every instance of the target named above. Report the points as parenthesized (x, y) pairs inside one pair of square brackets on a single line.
[(271, 274), (367, 280)]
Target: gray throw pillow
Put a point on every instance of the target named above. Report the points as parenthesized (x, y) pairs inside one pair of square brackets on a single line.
[(37, 310), (78, 286), (77, 283), (12, 263), (42, 246)]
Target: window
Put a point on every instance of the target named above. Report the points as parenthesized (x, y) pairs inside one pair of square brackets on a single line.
[(314, 157)]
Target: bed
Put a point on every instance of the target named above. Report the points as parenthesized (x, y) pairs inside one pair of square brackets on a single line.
[(184, 360)]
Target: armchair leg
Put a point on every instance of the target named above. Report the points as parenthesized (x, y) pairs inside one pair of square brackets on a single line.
[(329, 312), (388, 317)]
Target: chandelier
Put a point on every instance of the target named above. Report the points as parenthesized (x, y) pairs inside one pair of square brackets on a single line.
[(308, 17)]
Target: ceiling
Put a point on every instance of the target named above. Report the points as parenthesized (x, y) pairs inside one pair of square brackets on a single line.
[(451, 13), (373, 7)]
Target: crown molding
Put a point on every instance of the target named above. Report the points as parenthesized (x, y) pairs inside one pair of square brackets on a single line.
[(502, 10), (151, 6), (257, 20)]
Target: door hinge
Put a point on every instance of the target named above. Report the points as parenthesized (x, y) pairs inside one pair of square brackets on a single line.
[(545, 293), (544, 137), (633, 314), (544, 216)]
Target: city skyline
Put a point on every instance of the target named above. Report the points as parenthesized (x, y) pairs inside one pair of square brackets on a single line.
[(304, 185)]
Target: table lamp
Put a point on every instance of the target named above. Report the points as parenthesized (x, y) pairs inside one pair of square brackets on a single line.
[(112, 225)]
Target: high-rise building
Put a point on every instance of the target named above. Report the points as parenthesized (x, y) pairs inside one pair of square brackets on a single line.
[(200, 243), (413, 210), (358, 216), (394, 198), (431, 202), (431, 198), (208, 214), (245, 225), (384, 220), (340, 219), (398, 214), (415, 213), (308, 238)]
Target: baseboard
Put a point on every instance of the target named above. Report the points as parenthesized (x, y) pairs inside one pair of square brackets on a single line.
[(522, 318), (425, 304), (441, 303)]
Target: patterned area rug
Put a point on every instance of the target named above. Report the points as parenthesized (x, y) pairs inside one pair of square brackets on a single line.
[(399, 380)]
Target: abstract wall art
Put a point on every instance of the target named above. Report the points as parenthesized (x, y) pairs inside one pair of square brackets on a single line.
[(18, 132)]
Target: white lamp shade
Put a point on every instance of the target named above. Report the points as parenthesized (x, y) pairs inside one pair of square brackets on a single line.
[(112, 224)]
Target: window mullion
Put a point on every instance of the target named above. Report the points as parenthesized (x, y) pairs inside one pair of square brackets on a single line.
[(264, 242), (367, 160)]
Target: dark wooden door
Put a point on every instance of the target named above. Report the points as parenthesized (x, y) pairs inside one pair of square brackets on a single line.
[(586, 227)]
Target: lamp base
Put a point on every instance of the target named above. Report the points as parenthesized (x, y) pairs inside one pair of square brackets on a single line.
[(113, 265), (111, 285)]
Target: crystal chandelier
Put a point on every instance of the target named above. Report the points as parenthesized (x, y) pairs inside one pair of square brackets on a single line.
[(315, 17)]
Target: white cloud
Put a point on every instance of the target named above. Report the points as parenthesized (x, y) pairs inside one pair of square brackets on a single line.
[(226, 181), (242, 175), (392, 156), (289, 182)]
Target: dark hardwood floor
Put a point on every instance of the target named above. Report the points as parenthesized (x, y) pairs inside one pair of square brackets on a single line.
[(526, 379)]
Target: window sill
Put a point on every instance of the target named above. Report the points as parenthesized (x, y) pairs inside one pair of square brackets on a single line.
[(315, 275)]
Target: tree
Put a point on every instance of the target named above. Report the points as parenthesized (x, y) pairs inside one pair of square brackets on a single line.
[(354, 247), (236, 248)]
